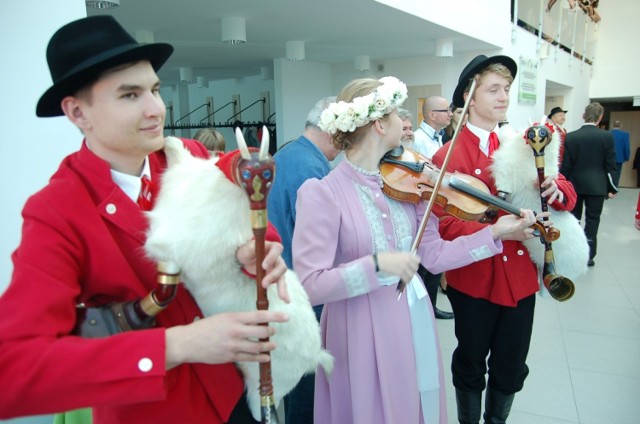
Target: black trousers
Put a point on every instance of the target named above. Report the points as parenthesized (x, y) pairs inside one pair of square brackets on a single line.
[(592, 206), (615, 174), (298, 404), (431, 283), (486, 329), (241, 413)]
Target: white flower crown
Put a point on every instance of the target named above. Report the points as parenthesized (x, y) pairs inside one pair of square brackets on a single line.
[(346, 117)]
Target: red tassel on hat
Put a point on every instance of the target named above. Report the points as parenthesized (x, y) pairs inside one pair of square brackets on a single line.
[(228, 163)]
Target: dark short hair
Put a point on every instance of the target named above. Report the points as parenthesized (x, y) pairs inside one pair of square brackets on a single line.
[(593, 112)]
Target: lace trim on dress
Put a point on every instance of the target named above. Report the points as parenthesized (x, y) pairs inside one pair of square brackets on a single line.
[(400, 220), (362, 171), (355, 279), (480, 253), (374, 218)]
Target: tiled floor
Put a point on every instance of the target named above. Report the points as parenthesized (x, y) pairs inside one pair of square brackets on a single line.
[(585, 353)]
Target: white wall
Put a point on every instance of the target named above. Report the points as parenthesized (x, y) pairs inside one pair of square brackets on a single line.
[(564, 70), (430, 70), (486, 20), (617, 63), (32, 147), (298, 86)]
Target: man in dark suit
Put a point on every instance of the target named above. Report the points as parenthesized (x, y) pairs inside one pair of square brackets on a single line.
[(589, 159)]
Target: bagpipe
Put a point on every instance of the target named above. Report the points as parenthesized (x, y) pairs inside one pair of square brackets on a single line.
[(205, 210), (518, 174)]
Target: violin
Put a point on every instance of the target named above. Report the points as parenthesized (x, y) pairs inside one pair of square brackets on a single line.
[(408, 176)]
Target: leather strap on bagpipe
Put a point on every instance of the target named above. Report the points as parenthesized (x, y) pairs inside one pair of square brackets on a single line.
[(118, 317)]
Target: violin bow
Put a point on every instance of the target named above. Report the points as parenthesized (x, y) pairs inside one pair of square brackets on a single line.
[(255, 172), (436, 187)]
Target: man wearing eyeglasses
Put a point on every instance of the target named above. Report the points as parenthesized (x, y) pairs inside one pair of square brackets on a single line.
[(436, 115), (427, 141)]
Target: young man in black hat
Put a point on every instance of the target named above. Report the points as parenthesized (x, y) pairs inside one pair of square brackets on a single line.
[(493, 299), (557, 118), (82, 242)]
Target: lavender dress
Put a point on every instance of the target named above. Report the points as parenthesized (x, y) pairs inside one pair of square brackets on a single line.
[(388, 367)]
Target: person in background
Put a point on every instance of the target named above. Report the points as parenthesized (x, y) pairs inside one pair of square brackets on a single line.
[(428, 139), (407, 138), (351, 247), (623, 151), (589, 160), (83, 244), (436, 116), (212, 140), (494, 298), (557, 118), (297, 161), (456, 116)]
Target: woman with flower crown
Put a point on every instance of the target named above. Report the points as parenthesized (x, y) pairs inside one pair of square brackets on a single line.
[(351, 245)]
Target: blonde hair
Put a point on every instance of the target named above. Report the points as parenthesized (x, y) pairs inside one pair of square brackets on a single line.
[(356, 88), (212, 139), (495, 68)]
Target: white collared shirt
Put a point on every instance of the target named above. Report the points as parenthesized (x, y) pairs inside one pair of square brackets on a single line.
[(131, 184), (483, 135), (427, 141)]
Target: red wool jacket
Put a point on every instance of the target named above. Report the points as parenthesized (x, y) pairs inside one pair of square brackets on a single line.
[(82, 241), (506, 278)]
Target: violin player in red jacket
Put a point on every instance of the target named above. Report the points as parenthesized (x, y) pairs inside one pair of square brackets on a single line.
[(82, 243), (493, 299)]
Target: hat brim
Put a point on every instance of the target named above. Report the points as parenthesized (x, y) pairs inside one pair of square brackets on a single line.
[(49, 103), (557, 111), (458, 94)]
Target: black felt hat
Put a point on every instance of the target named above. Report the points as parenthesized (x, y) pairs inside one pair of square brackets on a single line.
[(79, 51), (556, 110), (476, 65)]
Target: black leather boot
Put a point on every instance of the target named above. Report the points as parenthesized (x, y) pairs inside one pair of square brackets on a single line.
[(497, 406), (469, 406)]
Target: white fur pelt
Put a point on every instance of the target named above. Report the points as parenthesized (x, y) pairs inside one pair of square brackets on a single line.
[(198, 222), (515, 172)]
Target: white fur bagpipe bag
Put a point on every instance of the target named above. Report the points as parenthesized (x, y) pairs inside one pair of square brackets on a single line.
[(199, 220), (514, 172)]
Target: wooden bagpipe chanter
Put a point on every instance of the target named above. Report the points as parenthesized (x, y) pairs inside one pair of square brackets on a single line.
[(522, 162), (204, 211)]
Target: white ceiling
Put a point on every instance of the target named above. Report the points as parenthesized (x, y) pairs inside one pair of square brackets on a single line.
[(334, 31)]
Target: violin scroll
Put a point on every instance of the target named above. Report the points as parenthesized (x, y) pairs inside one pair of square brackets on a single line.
[(546, 235)]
